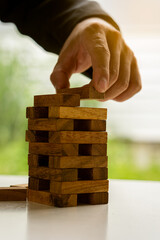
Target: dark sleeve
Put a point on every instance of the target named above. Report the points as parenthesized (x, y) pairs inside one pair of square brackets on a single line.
[(49, 22)]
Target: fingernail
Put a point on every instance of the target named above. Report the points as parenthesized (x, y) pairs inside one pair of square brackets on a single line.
[(102, 85)]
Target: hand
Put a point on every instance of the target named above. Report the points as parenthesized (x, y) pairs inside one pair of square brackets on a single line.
[(94, 42)]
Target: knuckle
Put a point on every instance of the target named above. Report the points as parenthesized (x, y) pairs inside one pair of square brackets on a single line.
[(123, 85), (102, 47), (117, 35), (103, 71), (128, 52), (93, 31), (137, 82), (114, 73), (138, 86), (114, 34), (90, 30), (95, 26)]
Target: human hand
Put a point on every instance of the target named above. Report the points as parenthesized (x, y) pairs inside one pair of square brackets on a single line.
[(94, 42)]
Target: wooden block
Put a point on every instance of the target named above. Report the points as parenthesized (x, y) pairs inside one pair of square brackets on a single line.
[(38, 160), (51, 124), (39, 184), (33, 160), (36, 136), (43, 197), (93, 149), (92, 173), (98, 173), (93, 198), (23, 185), (85, 92), (90, 186), (64, 175), (98, 198), (36, 112), (78, 161), (30, 137), (13, 193), (72, 100), (40, 172), (78, 113), (54, 149), (65, 200), (89, 125), (54, 174), (81, 137)]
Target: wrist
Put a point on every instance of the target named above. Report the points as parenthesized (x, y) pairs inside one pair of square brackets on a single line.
[(93, 20)]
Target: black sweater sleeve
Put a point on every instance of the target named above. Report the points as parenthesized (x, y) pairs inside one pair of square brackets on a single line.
[(49, 22)]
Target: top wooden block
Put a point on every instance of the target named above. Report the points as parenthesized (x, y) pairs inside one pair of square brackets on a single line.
[(78, 113), (71, 100), (86, 92)]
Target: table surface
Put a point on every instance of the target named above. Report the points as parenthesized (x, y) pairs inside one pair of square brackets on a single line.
[(133, 212)]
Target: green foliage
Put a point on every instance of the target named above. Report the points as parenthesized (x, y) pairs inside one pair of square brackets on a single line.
[(13, 158), (122, 164), (13, 95)]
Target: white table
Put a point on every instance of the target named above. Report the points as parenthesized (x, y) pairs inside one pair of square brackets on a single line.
[(132, 213)]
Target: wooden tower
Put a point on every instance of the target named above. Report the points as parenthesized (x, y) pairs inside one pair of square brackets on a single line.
[(67, 149)]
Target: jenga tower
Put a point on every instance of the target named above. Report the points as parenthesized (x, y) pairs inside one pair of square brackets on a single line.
[(67, 149)]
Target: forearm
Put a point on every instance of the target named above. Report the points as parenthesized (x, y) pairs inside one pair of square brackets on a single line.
[(49, 23)]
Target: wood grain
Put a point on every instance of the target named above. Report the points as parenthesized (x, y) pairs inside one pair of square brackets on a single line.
[(93, 198), (40, 172), (36, 136), (92, 173), (38, 160), (33, 160), (85, 92), (57, 100), (65, 200), (51, 124), (54, 174), (78, 113), (90, 186), (54, 149), (78, 161), (92, 149), (39, 184), (89, 125), (13, 193), (36, 112), (42, 197), (81, 137)]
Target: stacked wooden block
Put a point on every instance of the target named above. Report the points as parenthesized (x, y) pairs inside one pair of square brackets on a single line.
[(67, 151)]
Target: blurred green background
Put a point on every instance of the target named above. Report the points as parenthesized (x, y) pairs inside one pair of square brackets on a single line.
[(127, 159)]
